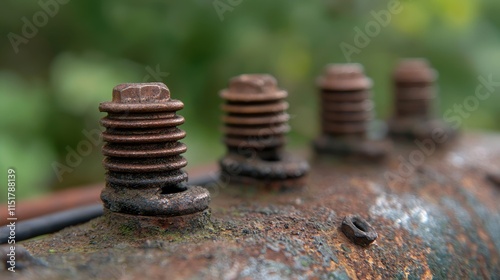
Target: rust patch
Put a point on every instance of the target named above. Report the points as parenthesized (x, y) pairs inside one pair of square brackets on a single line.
[(437, 223)]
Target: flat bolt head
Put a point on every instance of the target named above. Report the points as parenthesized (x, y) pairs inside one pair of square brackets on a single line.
[(344, 71), (253, 83), (348, 76), (416, 70), (141, 93)]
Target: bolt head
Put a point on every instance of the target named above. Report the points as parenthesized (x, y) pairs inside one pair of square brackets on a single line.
[(348, 76), (415, 70), (141, 93), (253, 83), (344, 71)]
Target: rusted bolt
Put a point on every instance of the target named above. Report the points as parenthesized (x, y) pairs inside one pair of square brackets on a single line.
[(255, 123), (414, 100), (143, 154), (347, 112), (358, 230)]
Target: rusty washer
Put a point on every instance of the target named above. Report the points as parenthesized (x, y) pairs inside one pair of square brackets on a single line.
[(255, 123), (143, 154), (414, 101), (347, 112), (358, 230)]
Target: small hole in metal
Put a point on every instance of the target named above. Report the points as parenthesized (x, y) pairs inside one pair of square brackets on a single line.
[(173, 189), (359, 225), (272, 159)]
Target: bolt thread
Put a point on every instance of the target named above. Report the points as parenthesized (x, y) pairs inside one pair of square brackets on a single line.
[(142, 148), (346, 105), (255, 120), (414, 89)]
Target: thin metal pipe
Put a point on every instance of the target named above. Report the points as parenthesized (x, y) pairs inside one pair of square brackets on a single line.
[(49, 223)]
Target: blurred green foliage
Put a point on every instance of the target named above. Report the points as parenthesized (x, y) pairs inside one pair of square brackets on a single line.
[(51, 88)]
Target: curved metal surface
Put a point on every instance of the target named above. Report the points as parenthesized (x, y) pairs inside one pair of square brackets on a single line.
[(441, 221)]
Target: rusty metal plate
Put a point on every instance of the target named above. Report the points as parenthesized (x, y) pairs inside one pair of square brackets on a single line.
[(441, 221)]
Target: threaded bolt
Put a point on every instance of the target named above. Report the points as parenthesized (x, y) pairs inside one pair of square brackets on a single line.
[(255, 124), (143, 154), (347, 112), (414, 88), (415, 96), (346, 108)]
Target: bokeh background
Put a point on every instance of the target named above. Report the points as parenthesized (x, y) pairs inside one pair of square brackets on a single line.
[(51, 87)]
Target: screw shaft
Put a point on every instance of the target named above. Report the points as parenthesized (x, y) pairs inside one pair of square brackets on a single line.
[(346, 107)]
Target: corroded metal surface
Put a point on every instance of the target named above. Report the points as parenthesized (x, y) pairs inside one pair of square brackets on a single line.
[(440, 219)]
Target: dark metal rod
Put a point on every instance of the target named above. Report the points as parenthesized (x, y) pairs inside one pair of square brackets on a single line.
[(50, 223)]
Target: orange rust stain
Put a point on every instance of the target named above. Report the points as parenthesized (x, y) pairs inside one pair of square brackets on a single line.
[(427, 274)]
